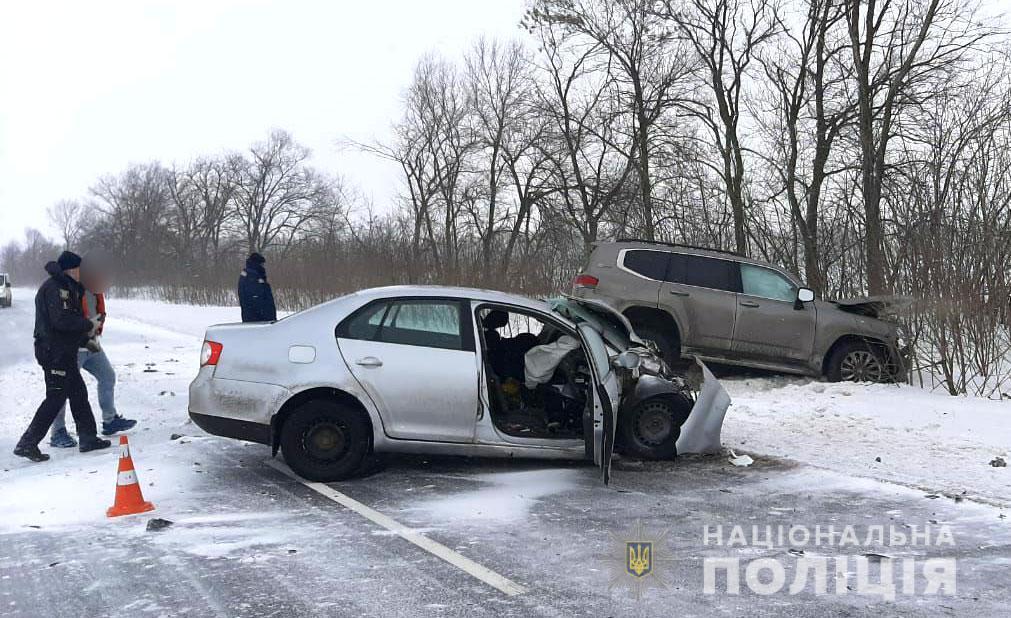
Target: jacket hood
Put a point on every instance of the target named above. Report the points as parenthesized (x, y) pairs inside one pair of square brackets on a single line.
[(57, 273), (54, 269)]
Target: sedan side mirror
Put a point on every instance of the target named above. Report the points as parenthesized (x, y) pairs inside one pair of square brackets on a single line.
[(627, 360)]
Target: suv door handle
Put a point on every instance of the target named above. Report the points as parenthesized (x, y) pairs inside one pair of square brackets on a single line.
[(369, 361), (679, 293), (748, 303)]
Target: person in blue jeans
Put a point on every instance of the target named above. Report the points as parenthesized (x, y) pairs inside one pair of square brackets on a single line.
[(93, 359)]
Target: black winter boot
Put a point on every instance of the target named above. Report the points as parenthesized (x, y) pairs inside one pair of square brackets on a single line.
[(31, 453), (93, 443)]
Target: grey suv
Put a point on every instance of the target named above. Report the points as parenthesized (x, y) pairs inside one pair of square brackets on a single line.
[(723, 307)]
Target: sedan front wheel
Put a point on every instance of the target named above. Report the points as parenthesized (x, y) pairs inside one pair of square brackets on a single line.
[(325, 441), (650, 430)]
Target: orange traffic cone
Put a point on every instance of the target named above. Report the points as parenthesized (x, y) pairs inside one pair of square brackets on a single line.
[(129, 500)]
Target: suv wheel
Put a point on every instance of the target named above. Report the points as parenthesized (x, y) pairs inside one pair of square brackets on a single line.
[(856, 361), (669, 344), (651, 429), (325, 441)]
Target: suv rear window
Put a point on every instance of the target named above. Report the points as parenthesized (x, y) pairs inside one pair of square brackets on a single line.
[(651, 264), (704, 272)]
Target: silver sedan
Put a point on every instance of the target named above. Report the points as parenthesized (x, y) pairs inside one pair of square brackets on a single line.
[(455, 371)]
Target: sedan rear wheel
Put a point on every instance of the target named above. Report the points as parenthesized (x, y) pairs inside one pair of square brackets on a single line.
[(325, 441)]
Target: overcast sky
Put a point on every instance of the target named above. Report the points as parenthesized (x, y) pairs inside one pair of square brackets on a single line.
[(88, 87)]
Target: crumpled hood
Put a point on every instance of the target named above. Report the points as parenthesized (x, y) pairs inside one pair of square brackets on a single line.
[(873, 306)]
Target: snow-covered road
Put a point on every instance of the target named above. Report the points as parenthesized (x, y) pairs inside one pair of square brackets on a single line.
[(247, 541)]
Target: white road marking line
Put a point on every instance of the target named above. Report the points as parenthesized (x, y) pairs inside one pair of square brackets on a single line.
[(435, 548)]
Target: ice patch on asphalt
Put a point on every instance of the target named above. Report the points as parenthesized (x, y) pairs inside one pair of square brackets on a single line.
[(504, 496)]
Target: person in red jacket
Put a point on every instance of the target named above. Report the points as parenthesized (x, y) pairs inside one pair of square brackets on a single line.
[(92, 358)]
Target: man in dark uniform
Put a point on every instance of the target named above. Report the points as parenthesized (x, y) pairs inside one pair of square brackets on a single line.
[(255, 296), (60, 329)]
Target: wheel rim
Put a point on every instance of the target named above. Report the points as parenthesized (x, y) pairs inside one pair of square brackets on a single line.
[(861, 366), (325, 441), (654, 423)]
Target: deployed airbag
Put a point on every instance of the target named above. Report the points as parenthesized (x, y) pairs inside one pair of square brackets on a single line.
[(540, 362)]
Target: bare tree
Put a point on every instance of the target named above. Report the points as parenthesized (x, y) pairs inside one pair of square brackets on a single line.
[(900, 50), (647, 62), (277, 189), (813, 109), (498, 91), (587, 149), (70, 217), (725, 36)]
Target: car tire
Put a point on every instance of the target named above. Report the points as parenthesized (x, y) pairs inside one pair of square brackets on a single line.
[(325, 441), (669, 344), (856, 361), (651, 429)]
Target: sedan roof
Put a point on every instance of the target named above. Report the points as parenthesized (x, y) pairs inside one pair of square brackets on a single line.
[(492, 296)]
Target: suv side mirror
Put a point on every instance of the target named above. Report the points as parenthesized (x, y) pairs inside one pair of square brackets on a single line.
[(804, 295)]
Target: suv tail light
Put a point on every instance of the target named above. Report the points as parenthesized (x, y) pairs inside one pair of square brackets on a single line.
[(210, 353), (585, 281)]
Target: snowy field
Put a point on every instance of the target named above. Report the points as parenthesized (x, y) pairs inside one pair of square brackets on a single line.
[(847, 452)]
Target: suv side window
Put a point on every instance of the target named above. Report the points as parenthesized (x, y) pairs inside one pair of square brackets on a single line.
[(649, 264), (767, 283), (704, 272)]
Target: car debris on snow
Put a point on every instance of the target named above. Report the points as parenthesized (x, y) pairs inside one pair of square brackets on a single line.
[(156, 524), (998, 462), (742, 461)]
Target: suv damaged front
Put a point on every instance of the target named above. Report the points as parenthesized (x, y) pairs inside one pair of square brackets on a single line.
[(880, 317), (657, 401)]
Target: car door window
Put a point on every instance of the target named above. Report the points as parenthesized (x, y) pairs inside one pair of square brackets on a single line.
[(432, 324), (428, 323), (704, 272), (365, 323), (766, 283), (649, 264)]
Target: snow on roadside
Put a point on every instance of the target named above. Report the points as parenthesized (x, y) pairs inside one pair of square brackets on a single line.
[(927, 440)]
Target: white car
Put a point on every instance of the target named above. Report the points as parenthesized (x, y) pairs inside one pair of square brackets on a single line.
[(5, 290), (455, 371)]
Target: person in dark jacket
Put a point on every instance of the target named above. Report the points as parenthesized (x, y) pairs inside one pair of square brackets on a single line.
[(60, 329), (255, 296)]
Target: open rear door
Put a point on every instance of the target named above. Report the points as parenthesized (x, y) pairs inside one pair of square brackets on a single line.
[(606, 394)]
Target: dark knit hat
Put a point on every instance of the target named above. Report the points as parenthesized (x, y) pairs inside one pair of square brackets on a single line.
[(255, 258), (68, 260)]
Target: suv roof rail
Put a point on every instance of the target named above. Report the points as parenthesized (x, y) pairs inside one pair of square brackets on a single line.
[(679, 245)]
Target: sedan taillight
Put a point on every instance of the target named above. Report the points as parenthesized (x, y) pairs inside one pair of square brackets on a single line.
[(585, 281), (210, 353)]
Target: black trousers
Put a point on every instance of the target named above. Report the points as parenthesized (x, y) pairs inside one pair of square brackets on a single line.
[(63, 383)]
